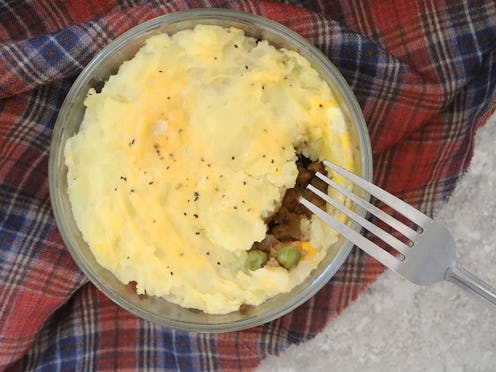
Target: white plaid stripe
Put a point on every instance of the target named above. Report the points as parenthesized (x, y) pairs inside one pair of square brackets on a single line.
[(23, 61), (434, 27), (206, 357), (33, 129), (53, 15), (5, 4), (360, 11)]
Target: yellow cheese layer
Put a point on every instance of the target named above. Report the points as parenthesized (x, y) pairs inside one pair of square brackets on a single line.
[(184, 152)]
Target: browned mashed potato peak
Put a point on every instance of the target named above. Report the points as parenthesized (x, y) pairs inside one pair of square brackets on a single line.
[(184, 160)]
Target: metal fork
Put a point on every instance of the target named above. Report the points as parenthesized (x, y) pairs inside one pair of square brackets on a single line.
[(427, 254)]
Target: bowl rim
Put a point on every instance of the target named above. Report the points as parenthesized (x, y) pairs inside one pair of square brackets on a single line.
[(205, 15)]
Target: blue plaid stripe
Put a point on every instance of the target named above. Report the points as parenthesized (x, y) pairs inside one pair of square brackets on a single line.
[(58, 55), (70, 340)]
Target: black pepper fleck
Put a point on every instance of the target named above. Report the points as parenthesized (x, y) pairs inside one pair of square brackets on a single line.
[(197, 233), (233, 157), (185, 213), (150, 183), (236, 45), (208, 253), (235, 207), (246, 67), (244, 183), (132, 190), (196, 196), (272, 161), (123, 178), (195, 215)]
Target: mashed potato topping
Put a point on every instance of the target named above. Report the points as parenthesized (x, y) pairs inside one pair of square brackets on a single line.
[(185, 152)]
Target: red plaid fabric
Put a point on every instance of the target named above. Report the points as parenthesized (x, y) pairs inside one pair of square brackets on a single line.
[(424, 74)]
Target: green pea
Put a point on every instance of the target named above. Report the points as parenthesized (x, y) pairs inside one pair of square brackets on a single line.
[(288, 256), (256, 259)]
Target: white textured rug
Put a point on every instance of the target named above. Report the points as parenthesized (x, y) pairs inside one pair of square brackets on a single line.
[(397, 326)]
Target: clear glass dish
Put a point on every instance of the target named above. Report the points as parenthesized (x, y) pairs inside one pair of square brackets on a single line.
[(106, 63)]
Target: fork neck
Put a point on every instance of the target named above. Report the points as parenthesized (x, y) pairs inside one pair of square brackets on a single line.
[(471, 283)]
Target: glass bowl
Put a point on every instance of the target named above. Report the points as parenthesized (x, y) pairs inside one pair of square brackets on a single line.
[(96, 73)]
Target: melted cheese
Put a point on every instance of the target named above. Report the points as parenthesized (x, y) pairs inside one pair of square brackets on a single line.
[(184, 152)]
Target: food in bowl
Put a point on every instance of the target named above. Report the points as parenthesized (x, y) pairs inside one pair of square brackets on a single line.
[(187, 164)]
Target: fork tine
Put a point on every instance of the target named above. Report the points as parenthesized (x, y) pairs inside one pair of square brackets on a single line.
[(376, 230), (356, 238), (390, 220), (399, 205)]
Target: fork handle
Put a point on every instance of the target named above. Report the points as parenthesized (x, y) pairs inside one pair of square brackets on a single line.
[(471, 283)]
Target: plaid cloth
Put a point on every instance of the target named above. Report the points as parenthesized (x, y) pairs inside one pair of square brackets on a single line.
[(424, 74)]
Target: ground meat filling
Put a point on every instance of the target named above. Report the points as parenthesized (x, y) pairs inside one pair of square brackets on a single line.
[(284, 224)]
